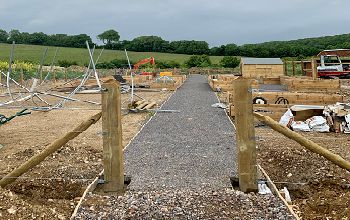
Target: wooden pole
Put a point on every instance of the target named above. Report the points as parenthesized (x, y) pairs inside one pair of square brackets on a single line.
[(286, 68), (57, 144), (112, 138), (302, 67), (245, 136), (310, 145), (293, 68), (314, 68)]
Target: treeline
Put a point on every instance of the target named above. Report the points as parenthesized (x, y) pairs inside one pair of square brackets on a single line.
[(157, 44), (295, 48), (40, 38)]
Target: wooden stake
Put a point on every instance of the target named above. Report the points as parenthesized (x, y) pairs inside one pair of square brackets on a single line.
[(245, 135), (285, 68), (65, 75), (314, 68), (293, 68), (302, 67), (35, 160), (112, 138), (310, 145)]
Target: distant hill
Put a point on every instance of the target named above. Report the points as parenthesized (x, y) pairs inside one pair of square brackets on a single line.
[(295, 48), (33, 53)]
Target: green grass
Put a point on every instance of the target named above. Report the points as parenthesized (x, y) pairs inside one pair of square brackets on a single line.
[(33, 53)]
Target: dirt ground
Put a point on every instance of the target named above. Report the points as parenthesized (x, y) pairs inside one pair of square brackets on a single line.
[(320, 189), (52, 189)]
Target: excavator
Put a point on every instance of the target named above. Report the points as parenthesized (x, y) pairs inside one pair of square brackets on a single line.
[(144, 61)]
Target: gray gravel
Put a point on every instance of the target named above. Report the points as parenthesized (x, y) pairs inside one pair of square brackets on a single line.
[(190, 149), (180, 165), (184, 204)]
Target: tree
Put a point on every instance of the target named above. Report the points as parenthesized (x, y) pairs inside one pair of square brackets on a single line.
[(3, 36), (189, 47), (109, 37), (38, 38), (148, 44), (229, 62), (15, 35), (231, 50), (198, 61)]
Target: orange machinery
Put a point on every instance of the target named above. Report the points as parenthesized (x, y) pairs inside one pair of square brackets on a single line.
[(144, 61)]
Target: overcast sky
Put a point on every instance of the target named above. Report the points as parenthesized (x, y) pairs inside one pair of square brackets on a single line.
[(216, 21)]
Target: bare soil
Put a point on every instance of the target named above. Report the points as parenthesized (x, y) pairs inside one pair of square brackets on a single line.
[(52, 189), (319, 189)]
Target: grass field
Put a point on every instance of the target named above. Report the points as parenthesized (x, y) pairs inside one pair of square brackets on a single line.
[(33, 53)]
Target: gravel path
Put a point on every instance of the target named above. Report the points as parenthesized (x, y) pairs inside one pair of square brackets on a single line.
[(180, 164), (190, 149), (184, 204)]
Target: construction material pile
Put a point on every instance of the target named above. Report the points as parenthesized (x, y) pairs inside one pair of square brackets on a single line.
[(334, 118)]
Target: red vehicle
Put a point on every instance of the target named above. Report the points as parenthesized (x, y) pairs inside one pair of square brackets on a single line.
[(331, 64)]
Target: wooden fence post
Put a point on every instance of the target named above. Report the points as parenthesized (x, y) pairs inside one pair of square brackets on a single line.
[(314, 68), (302, 67), (112, 138), (293, 68), (245, 136), (285, 68)]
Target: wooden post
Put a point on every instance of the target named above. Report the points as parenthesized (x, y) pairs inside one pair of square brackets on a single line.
[(112, 138), (245, 136), (310, 145), (285, 68), (293, 68), (314, 68), (302, 67), (57, 144)]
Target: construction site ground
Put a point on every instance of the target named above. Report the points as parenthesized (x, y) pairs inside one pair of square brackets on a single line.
[(52, 189), (180, 166), (320, 189)]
